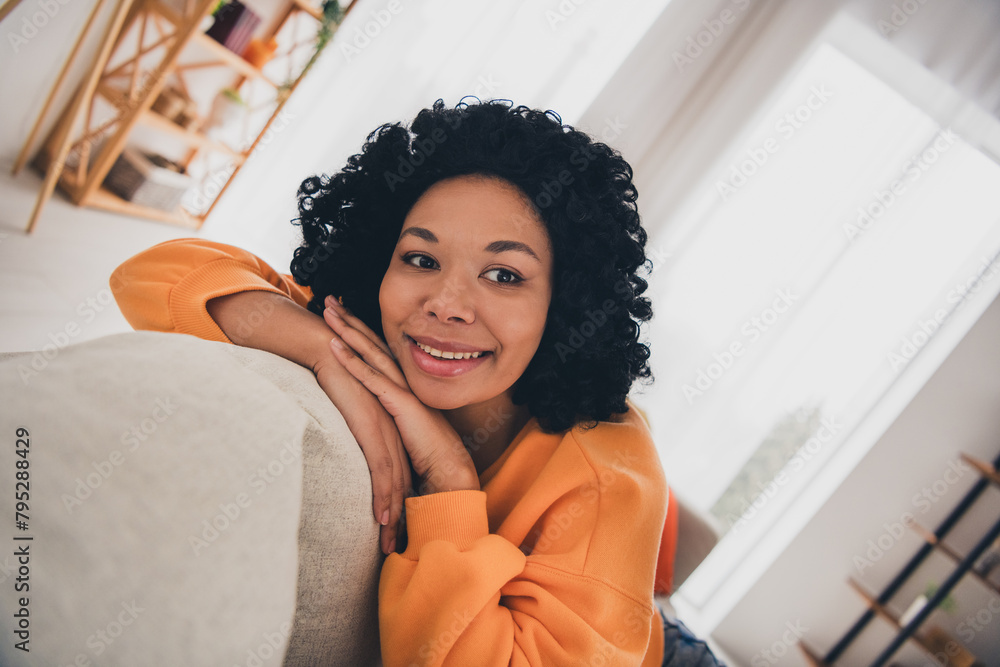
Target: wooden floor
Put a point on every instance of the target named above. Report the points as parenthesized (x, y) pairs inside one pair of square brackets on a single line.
[(58, 276)]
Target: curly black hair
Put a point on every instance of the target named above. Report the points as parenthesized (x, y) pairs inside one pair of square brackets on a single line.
[(590, 352)]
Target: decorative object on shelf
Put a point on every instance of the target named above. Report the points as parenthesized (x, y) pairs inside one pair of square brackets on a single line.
[(330, 18), (174, 105), (259, 51), (915, 608), (148, 179), (946, 605), (234, 25), (940, 643), (228, 107)]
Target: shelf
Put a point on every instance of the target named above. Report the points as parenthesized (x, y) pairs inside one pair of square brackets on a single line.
[(232, 59), (931, 539), (153, 53), (315, 12), (933, 542), (887, 615), (107, 200), (166, 12), (986, 470), (224, 55), (154, 120), (811, 656)]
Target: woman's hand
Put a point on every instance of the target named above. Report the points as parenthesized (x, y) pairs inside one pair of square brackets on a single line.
[(379, 440), (435, 449), (273, 322)]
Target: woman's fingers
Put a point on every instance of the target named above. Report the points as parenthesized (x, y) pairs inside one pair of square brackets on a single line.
[(375, 355), (389, 393), (400, 483), (379, 441), (355, 322)]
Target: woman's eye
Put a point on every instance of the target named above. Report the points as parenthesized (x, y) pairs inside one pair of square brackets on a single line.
[(503, 276), (420, 261)]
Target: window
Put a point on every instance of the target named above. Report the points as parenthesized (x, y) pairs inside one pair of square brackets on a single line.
[(836, 239)]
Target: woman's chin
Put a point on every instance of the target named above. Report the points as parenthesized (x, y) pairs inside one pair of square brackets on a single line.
[(439, 401)]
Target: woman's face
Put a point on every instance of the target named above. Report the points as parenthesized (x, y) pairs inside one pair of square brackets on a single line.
[(471, 277)]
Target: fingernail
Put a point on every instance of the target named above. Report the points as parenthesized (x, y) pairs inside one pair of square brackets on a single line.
[(385, 518), (340, 346), (392, 546)]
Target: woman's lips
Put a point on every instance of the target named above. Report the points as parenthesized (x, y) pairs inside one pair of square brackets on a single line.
[(443, 367)]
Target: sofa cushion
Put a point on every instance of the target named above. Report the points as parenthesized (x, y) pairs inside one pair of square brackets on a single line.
[(191, 503)]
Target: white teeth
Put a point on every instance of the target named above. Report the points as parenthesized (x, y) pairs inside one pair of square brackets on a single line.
[(448, 355)]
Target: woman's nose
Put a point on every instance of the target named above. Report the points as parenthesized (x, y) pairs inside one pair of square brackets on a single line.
[(451, 301)]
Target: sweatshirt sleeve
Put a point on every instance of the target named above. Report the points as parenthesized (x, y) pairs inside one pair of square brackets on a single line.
[(166, 287), (577, 590)]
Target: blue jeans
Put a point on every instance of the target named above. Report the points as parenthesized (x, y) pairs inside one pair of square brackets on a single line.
[(683, 649)]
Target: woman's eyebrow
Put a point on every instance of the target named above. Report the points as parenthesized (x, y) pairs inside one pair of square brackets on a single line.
[(503, 246), (496, 247), (420, 233)]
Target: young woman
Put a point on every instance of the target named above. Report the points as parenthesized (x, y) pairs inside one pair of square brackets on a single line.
[(467, 294)]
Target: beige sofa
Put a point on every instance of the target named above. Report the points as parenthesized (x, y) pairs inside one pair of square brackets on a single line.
[(191, 503)]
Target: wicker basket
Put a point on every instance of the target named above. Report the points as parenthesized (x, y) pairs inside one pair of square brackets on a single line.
[(148, 180)]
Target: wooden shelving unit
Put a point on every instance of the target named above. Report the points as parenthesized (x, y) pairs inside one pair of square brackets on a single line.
[(933, 541), (141, 53)]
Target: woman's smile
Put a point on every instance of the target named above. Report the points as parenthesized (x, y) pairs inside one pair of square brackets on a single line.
[(447, 362)]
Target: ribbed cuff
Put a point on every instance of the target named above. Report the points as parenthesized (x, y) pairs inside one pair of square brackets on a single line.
[(218, 278), (455, 516)]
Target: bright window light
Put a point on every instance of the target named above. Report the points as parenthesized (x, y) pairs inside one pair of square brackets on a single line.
[(831, 244)]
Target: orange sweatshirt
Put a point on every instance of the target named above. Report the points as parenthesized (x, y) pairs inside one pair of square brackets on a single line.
[(551, 563)]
